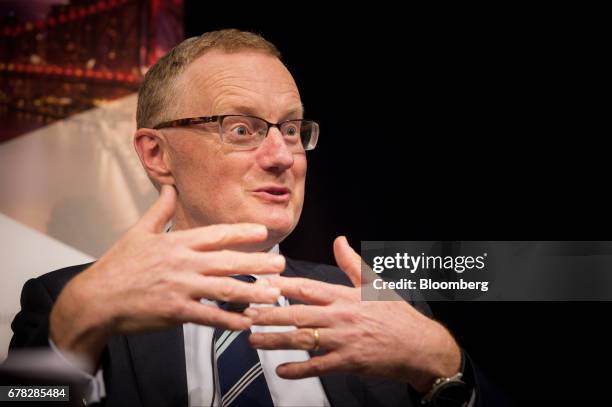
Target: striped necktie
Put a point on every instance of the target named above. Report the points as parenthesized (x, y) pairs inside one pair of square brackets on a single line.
[(241, 378)]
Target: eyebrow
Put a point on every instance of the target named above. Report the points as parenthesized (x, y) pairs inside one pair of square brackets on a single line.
[(297, 110)]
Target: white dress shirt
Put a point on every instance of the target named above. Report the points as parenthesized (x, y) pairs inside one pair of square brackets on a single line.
[(298, 393)]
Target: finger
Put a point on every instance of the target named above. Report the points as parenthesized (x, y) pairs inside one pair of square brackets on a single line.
[(302, 339), (160, 213), (348, 260), (229, 289), (227, 263), (316, 366), (209, 315), (295, 315), (223, 236), (311, 291)]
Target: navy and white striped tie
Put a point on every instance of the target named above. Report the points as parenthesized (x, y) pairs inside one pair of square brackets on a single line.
[(241, 378)]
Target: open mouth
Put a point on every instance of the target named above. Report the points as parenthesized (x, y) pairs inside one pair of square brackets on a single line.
[(273, 193)]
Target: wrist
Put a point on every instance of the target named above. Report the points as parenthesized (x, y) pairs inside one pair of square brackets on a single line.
[(456, 390), (75, 326), (444, 359)]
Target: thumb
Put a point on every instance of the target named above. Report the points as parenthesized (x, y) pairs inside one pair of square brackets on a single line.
[(348, 260), (161, 211)]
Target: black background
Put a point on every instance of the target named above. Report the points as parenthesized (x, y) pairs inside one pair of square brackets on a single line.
[(457, 125)]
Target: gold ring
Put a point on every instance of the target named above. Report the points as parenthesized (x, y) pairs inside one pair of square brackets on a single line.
[(315, 335)]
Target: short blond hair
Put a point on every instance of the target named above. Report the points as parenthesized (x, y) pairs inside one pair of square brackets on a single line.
[(157, 95)]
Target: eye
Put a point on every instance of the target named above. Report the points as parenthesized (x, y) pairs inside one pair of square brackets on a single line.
[(291, 130), (241, 131)]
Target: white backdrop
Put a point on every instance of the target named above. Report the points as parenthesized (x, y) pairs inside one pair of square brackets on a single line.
[(68, 191)]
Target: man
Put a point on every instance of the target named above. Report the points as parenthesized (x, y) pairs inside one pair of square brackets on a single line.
[(221, 135)]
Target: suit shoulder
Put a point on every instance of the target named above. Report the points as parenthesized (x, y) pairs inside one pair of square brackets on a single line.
[(316, 271), (55, 280)]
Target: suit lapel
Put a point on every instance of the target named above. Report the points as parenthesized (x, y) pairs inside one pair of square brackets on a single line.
[(159, 367)]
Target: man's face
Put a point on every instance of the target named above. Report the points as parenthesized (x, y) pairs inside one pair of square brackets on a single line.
[(219, 184)]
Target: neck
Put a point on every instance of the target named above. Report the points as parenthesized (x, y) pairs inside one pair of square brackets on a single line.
[(180, 220)]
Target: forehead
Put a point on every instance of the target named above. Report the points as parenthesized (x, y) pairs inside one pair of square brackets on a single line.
[(221, 83)]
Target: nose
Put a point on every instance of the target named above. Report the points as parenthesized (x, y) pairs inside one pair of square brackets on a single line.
[(273, 153)]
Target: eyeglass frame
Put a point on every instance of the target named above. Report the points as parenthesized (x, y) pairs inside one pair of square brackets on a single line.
[(219, 119)]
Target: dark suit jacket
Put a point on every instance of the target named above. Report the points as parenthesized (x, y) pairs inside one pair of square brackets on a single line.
[(149, 369)]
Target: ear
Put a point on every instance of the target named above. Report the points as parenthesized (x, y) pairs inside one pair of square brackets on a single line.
[(152, 149)]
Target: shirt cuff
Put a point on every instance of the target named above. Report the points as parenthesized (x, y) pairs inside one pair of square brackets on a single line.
[(94, 387)]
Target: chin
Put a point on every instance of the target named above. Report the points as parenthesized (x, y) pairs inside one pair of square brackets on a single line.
[(276, 235), (279, 227)]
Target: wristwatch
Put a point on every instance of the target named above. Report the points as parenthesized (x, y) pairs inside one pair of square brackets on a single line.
[(454, 391)]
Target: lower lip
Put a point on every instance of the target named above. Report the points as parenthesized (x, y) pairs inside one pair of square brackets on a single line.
[(266, 196)]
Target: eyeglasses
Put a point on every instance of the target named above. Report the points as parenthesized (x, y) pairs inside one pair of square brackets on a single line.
[(247, 132)]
